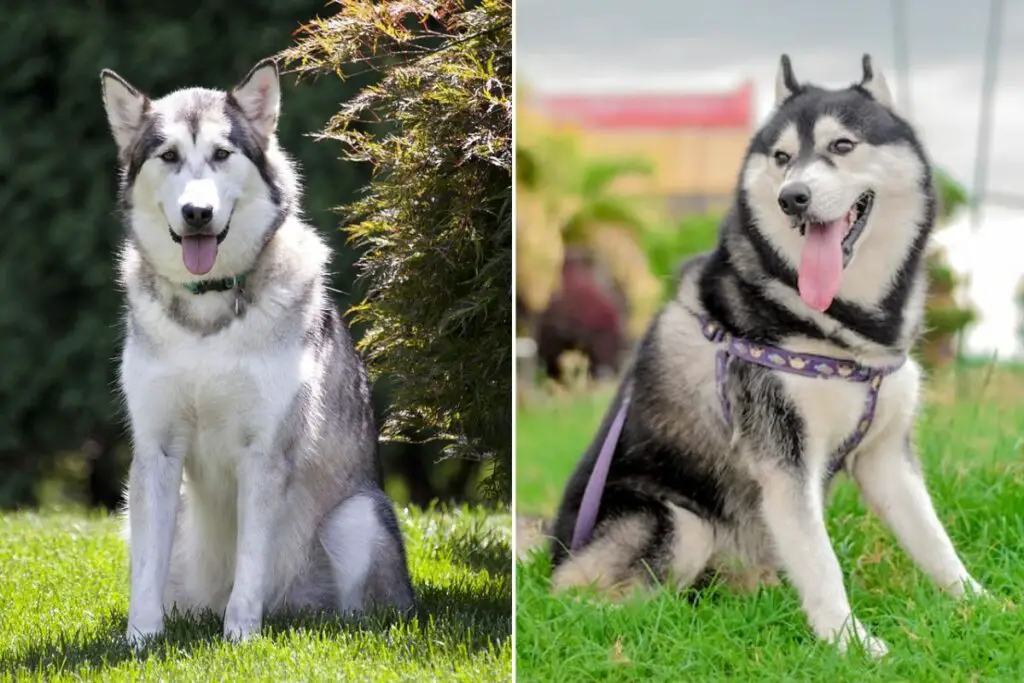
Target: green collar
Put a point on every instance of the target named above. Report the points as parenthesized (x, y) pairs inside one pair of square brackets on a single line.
[(224, 284)]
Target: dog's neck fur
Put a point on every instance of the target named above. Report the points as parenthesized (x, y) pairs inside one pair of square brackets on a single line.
[(222, 284), (302, 252), (752, 290)]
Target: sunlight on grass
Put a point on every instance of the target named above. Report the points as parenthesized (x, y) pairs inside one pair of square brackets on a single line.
[(64, 596)]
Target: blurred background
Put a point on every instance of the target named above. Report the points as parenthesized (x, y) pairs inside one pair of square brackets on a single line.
[(632, 122), (62, 434)]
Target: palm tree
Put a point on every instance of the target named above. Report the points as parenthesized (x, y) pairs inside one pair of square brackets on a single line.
[(568, 199)]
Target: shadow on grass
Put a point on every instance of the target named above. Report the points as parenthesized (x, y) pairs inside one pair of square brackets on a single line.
[(475, 619), (105, 645)]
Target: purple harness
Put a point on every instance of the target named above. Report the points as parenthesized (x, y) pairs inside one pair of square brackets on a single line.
[(803, 364)]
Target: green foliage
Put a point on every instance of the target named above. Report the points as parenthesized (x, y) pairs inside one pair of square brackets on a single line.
[(578, 189), (952, 195), (943, 318), (527, 168), (64, 591), (59, 306), (942, 277), (947, 320), (594, 200), (667, 248), (436, 221)]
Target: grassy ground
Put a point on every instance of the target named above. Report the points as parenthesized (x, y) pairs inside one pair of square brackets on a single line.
[(971, 435), (64, 598)]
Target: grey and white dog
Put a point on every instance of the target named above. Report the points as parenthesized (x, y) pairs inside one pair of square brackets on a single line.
[(239, 375), (781, 360)]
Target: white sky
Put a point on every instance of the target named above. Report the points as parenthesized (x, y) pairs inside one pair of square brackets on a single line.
[(609, 45)]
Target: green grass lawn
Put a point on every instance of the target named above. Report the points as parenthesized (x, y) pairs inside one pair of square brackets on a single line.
[(64, 600), (971, 434)]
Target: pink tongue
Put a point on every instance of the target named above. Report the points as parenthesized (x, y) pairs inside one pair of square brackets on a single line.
[(199, 252), (821, 263)]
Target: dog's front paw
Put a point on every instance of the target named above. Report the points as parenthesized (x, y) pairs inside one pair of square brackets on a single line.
[(240, 625), (238, 631), (242, 618), (967, 588), (141, 633), (874, 647), (855, 635)]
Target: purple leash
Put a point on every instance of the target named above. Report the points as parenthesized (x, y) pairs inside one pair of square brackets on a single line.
[(591, 503)]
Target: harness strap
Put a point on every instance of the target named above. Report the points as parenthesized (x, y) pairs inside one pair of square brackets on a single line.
[(804, 364), (863, 424)]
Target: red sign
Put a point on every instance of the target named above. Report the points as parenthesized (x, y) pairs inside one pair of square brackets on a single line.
[(658, 111)]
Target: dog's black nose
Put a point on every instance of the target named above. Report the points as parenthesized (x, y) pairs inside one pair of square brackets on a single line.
[(795, 199), (197, 216)]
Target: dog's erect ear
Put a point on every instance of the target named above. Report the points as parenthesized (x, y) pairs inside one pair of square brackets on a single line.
[(875, 83), (259, 96), (785, 82), (125, 105)]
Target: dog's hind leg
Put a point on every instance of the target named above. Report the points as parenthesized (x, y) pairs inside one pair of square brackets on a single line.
[(611, 563), (693, 546), (891, 482), (637, 549), (367, 557)]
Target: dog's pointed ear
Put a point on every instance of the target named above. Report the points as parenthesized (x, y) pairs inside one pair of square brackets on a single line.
[(259, 97), (126, 107), (785, 82), (875, 83)]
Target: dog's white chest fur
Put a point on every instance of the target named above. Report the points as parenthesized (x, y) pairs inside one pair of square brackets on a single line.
[(223, 388)]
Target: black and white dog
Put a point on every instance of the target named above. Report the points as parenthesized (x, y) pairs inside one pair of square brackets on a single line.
[(239, 376), (782, 360)]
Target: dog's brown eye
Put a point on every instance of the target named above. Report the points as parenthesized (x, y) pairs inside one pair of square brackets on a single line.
[(781, 158), (841, 146), (221, 154), (170, 156)]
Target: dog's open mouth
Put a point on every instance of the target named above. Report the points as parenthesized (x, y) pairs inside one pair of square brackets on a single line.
[(828, 248), (199, 252), (856, 219)]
